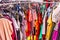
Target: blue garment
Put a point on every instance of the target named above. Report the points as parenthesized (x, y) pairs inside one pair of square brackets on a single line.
[(49, 10), (18, 7)]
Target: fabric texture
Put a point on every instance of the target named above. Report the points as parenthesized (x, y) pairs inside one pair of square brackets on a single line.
[(49, 27), (6, 29)]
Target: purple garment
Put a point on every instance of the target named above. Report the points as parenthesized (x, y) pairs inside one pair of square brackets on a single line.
[(24, 22), (59, 24), (54, 36), (55, 32)]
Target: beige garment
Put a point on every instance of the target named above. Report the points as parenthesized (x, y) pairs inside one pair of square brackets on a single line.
[(56, 14), (5, 29)]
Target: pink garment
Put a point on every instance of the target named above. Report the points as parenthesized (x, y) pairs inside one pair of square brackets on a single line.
[(54, 36), (55, 32), (14, 36), (24, 23), (6, 29), (34, 16)]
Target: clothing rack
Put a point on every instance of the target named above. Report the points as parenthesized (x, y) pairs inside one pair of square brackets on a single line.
[(16, 2)]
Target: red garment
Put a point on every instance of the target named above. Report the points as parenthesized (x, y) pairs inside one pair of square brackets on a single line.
[(37, 38), (47, 4), (13, 36), (29, 29), (40, 18), (29, 19), (46, 22), (43, 37), (29, 15)]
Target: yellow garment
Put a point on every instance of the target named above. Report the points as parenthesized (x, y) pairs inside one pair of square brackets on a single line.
[(35, 37), (49, 26), (31, 38), (6, 29)]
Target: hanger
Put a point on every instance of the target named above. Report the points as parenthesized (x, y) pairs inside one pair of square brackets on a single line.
[(29, 5), (1, 15)]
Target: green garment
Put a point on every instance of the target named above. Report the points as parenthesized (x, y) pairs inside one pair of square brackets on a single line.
[(40, 36), (42, 8)]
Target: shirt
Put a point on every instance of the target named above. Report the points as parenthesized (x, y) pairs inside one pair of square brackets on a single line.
[(6, 29)]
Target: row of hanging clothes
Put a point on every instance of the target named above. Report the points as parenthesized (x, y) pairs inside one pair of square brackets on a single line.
[(31, 0), (30, 21)]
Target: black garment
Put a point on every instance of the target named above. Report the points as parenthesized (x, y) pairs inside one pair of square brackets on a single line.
[(20, 18), (18, 35), (53, 26)]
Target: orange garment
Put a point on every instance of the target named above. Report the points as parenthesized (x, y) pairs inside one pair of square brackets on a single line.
[(37, 29), (37, 25), (39, 22), (6, 29)]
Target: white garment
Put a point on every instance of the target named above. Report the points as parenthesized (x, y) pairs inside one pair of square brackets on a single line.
[(22, 14), (56, 14), (43, 28), (13, 0), (18, 22), (0, 0), (15, 24), (36, 0), (21, 35)]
